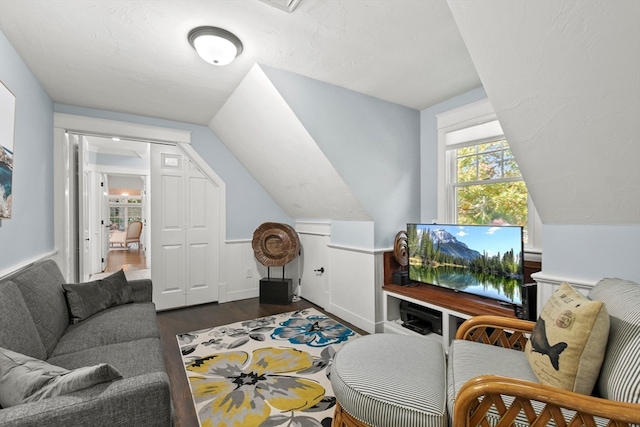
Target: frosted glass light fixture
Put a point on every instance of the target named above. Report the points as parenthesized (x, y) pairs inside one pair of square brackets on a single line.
[(215, 45)]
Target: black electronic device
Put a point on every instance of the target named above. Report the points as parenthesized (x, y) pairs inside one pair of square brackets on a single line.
[(484, 260), (417, 325), (418, 316), (529, 301)]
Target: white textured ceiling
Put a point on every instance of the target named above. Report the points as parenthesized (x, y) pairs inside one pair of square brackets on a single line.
[(134, 57)]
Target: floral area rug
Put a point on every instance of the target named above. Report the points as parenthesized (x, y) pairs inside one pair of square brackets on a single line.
[(272, 371)]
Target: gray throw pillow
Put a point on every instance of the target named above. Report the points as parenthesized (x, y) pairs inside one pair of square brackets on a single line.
[(86, 299), (24, 379)]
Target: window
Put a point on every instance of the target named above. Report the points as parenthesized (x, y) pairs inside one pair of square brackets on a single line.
[(479, 178), (123, 210)]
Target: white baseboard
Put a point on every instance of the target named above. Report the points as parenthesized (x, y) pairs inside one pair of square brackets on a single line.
[(243, 294), (352, 318)]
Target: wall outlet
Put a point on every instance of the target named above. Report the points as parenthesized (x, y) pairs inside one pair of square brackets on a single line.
[(249, 273)]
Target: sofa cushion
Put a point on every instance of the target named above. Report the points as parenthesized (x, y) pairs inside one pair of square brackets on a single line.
[(131, 358), (86, 299), (24, 379), (41, 288), (567, 344), (17, 330), (122, 323), (620, 374)]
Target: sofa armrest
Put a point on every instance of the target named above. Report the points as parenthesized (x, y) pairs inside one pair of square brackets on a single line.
[(496, 330), (510, 398), (140, 400), (142, 290)]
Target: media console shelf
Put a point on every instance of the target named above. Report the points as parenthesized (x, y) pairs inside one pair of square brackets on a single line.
[(454, 306)]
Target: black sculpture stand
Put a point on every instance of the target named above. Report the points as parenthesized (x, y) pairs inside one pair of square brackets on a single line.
[(276, 291)]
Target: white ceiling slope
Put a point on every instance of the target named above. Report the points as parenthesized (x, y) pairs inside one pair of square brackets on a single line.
[(262, 131), (563, 77), (134, 57)]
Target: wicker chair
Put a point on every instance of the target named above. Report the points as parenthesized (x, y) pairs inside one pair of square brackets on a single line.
[(489, 400)]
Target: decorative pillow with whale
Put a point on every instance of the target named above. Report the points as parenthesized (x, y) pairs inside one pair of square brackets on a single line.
[(568, 343)]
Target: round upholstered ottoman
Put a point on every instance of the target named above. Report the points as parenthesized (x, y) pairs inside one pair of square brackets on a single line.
[(389, 380)]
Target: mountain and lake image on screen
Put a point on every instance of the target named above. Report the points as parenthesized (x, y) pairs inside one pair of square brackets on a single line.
[(484, 260)]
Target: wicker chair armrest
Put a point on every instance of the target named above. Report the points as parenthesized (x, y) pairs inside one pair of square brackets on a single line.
[(496, 330), (563, 407)]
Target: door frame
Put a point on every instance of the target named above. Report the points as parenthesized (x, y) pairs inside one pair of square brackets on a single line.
[(65, 211)]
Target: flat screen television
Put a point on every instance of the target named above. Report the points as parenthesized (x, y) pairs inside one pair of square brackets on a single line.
[(484, 260)]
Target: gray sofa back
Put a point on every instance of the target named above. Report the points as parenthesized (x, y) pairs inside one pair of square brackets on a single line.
[(41, 289)]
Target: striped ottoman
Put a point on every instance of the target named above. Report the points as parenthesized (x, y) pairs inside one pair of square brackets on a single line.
[(389, 380)]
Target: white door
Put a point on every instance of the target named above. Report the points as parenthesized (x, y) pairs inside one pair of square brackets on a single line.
[(314, 274), (202, 238), (84, 236), (145, 240), (105, 222), (184, 231), (168, 237)]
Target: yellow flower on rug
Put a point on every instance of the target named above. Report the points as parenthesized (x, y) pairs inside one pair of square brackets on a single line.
[(241, 389)]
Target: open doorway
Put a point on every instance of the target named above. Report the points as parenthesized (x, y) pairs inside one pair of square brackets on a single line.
[(120, 218)]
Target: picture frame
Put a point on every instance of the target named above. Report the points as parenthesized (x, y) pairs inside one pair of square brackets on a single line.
[(7, 135)]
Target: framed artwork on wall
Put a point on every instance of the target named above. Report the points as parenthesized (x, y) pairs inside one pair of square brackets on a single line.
[(7, 130)]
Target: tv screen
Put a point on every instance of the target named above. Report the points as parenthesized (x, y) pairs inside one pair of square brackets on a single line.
[(484, 260)]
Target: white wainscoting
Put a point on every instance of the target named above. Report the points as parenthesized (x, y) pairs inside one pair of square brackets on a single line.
[(548, 283), (28, 263), (239, 257), (354, 290)]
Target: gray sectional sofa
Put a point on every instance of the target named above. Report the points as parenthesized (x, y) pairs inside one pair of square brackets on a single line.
[(35, 322)]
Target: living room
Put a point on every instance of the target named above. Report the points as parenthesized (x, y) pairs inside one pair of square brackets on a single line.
[(575, 215), (568, 102)]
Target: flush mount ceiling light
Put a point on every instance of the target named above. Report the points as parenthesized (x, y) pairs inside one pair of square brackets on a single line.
[(215, 45)]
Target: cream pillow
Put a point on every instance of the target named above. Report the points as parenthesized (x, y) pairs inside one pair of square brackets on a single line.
[(24, 379), (567, 345)]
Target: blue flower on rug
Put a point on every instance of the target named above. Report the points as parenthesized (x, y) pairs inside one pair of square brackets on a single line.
[(314, 331)]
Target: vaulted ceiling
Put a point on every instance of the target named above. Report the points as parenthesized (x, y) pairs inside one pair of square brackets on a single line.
[(134, 57)]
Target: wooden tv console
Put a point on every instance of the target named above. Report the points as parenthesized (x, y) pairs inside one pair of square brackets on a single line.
[(455, 307)]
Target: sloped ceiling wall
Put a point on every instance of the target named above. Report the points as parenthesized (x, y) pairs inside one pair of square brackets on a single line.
[(563, 77), (261, 130)]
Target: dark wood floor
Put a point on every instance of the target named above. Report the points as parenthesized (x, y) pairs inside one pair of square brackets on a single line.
[(190, 319), (173, 322)]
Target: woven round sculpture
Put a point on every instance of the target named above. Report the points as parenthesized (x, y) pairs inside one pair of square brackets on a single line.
[(400, 249), (275, 244)]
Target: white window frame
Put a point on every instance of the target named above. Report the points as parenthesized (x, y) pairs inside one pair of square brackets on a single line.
[(474, 114), (113, 203)]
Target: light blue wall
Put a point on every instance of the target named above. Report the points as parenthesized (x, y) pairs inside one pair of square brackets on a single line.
[(29, 233), (588, 253), (373, 144), (248, 205), (429, 151)]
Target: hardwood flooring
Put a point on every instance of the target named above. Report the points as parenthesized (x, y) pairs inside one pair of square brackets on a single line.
[(130, 259)]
